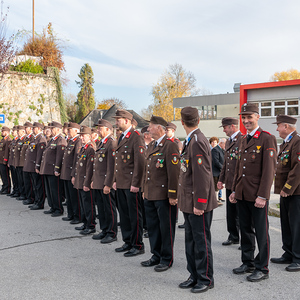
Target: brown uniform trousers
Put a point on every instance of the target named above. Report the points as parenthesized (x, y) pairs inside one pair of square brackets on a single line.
[(161, 183), (196, 190), (4, 170), (129, 170), (226, 177), (254, 175), (83, 173), (33, 154), (103, 175), (288, 179), (68, 164), (51, 162)]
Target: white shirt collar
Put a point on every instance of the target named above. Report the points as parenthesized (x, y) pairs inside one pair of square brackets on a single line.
[(234, 135), (188, 137), (126, 131), (253, 132), (287, 138), (160, 139)]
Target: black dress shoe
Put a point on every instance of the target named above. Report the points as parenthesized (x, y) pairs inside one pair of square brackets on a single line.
[(21, 198), (243, 269), (27, 202), (281, 260), (123, 248), (5, 193), (15, 196), (35, 207), (150, 262), (82, 227), (99, 236), (257, 275), (67, 218), (75, 221), (87, 231), (48, 212), (161, 268), (182, 226), (188, 283), (229, 242), (293, 267), (9, 195), (56, 214), (201, 288), (134, 252), (108, 239)]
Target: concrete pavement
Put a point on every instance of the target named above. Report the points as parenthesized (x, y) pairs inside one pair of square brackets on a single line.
[(42, 257)]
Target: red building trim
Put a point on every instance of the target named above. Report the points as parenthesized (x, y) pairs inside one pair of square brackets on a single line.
[(244, 89)]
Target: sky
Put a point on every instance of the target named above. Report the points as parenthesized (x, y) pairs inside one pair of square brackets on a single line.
[(130, 43)]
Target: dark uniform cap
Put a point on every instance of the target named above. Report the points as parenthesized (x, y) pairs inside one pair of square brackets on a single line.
[(20, 127), (73, 125), (85, 130), (189, 113), (121, 113), (28, 124), (104, 123), (229, 121), (5, 128), (171, 125), (15, 128), (49, 124), (37, 124), (158, 120), (134, 122), (94, 130), (285, 119), (66, 125), (249, 109), (144, 129), (55, 124)]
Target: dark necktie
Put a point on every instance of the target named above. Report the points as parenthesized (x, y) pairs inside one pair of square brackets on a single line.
[(120, 138), (155, 145), (249, 137)]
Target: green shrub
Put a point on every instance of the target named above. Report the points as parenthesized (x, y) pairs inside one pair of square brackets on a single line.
[(29, 67)]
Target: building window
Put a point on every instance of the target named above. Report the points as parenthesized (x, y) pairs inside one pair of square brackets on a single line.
[(208, 112), (282, 107)]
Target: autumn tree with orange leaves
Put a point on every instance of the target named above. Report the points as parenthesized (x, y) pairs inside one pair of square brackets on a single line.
[(286, 75), (46, 45)]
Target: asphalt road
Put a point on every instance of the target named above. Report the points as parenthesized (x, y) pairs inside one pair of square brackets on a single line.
[(42, 257)]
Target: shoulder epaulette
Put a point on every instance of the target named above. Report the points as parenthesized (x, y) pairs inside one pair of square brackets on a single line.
[(267, 132), (170, 139)]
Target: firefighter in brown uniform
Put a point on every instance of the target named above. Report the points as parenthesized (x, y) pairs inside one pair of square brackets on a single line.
[(68, 164), (287, 184), (230, 127), (254, 175), (160, 195), (33, 154), (51, 163), (170, 132), (102, 182), (4, 155), (82, 178), (11, 164), (196, 199), (28, 184), (19, 161), (95, 137), (129, 170)]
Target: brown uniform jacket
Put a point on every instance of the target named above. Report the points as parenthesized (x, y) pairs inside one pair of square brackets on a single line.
[(4, 150), (255, 167), (178, 142), (69, 157), (130, 161), (12, 149), (83, 171), (52, 155), (28, 139), (18, 160), (162, 170), (104, 163), (33, 151), (288, 167), (196, 186), (230, 158)]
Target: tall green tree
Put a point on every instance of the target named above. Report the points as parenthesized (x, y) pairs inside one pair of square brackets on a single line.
[(85, 97)]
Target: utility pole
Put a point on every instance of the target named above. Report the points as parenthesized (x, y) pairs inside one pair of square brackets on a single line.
[(32, 19)]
